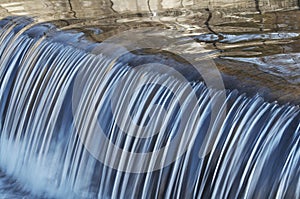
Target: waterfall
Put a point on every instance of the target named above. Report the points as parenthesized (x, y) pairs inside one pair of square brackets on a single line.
[(99, 146)]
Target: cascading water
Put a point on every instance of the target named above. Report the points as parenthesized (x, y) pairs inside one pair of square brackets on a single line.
[(48, 141)]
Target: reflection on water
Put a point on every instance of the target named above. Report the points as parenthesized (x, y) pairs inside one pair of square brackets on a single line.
[(230, 30), (282, 65), (92, 8)]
